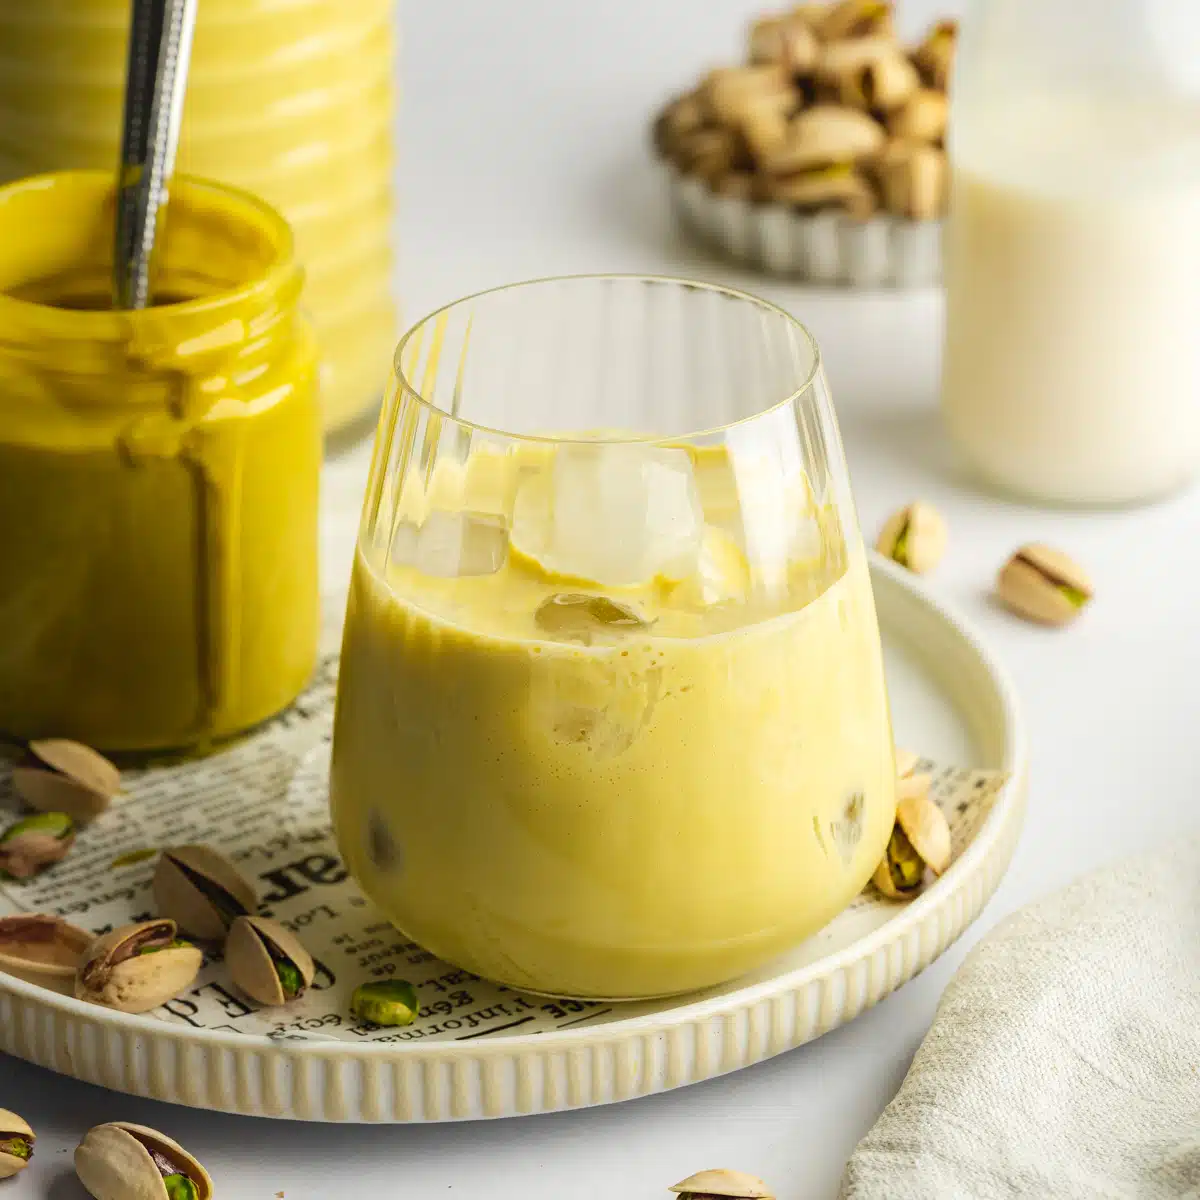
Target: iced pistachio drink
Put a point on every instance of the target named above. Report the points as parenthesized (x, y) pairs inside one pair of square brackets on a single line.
[(603, 766)]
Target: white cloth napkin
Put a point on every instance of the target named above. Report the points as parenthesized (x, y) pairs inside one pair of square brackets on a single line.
[(1064, 1059)]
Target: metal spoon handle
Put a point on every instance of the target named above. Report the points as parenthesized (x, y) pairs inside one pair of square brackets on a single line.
[(160, 45)]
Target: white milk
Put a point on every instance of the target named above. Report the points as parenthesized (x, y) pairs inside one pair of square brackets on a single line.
[(1072, 357)]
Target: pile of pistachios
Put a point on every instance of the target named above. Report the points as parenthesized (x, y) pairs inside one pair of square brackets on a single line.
[(829, 112), (115, 1161), (198, 892)]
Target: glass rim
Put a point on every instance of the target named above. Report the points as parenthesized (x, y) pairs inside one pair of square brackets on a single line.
[(410, 389)]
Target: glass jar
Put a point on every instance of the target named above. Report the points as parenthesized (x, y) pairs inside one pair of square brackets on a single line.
[(290, 99), (1072, 367), (158, 471), (611, 715)]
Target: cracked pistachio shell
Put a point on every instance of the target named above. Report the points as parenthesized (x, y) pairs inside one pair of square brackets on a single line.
[(682, 116), (926, 827), (201, 891), (856, 19), (58, 775), (117, 1161), (34, 843), (934, 57), (13, 1128), (915, 536), (921, 830), (1044, 585), (726, 91), (706, 152), (256, 950), (722, 1182), (900, 874), (137, 967), (824, 135), (789, 39), (837, 187), (916, 181), (922, 118), (869, 73), (42, 949)]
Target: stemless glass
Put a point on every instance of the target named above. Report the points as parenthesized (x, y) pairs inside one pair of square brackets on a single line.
[(611, 715)]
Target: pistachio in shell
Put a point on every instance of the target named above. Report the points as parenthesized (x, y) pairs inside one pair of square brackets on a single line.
[(914, 536), (1044, 585), (870, 73), (788, 39), (34, 843), (837, 188), (934, 57), (137, 967), (924, 825), (709, 1185), (16, 1143), (122, 1161), (58, 775), (920, 842), (201, 891), (385, 1002), (42, 949), (267, 962), (856, 19), (922, 118), (825, 135), (916, 180)]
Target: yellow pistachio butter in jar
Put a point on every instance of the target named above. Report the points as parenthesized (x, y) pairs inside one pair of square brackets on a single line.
[(290, 99), (158, 471), (611, 714)]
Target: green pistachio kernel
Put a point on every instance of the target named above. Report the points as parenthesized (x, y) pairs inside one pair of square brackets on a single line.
[(19, 1146), (56, 824), (180, 1187), (904, 862), (385, 1002), (290, 978), (174, 944)]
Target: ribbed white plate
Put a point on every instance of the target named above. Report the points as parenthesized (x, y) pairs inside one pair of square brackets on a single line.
[(824, 247), (950, 700)]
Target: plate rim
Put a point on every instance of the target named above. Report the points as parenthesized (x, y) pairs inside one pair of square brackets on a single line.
[(1007, 808)]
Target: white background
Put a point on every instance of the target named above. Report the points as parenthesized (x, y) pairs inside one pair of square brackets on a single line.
[(522, 154)]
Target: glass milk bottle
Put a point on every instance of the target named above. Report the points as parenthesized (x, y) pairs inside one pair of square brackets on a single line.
[(1072, 361)]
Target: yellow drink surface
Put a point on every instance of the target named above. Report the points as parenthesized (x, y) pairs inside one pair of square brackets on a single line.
[(660, 810)]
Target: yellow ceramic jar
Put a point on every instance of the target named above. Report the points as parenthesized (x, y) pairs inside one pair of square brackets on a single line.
[(290, 99), (158, 471)]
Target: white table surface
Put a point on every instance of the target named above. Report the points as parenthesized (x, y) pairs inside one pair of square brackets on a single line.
[(523, 154)]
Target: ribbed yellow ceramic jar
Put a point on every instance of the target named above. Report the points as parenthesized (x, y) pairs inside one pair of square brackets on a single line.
[(290, 99)]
